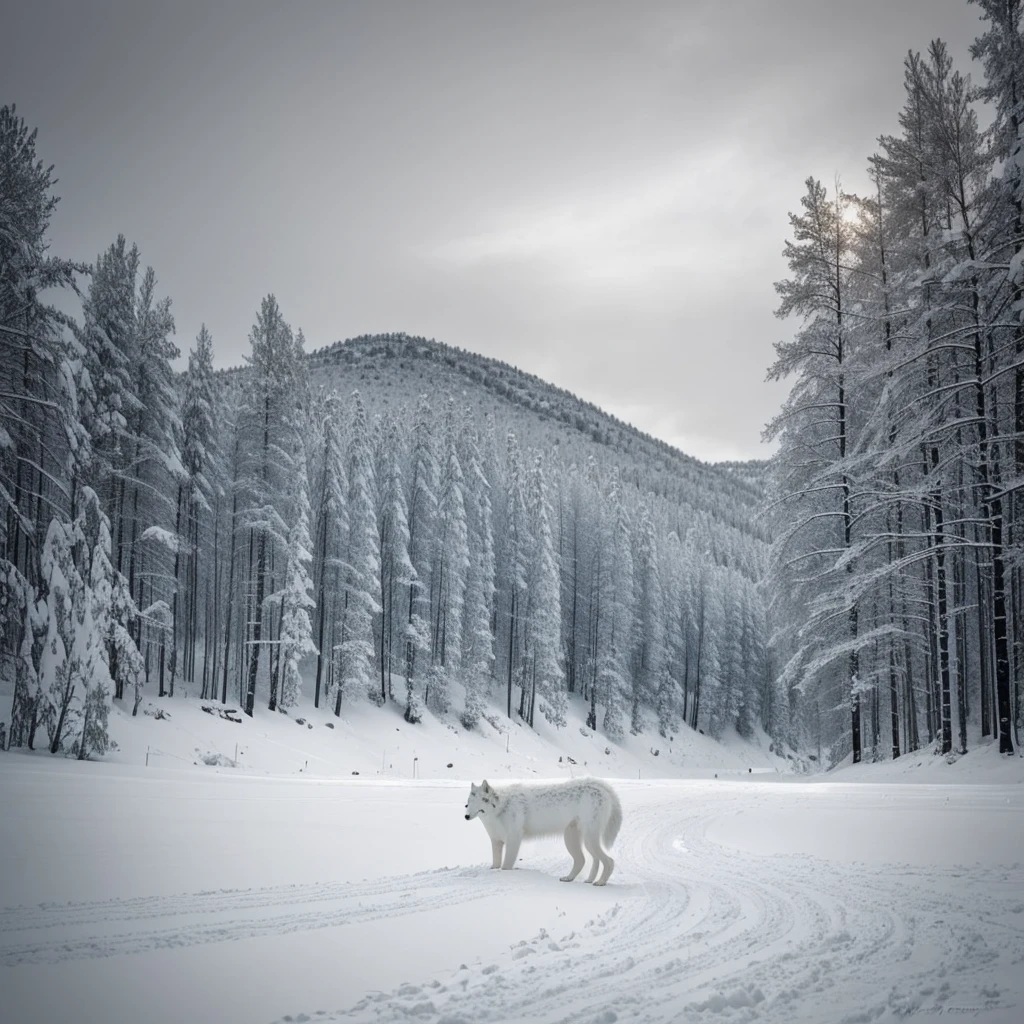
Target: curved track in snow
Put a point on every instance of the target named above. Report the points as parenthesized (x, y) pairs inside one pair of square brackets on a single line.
[(704, 931), (697, 923), (148, 923)]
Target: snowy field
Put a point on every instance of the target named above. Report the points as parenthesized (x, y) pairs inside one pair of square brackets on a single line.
[(130, 894)]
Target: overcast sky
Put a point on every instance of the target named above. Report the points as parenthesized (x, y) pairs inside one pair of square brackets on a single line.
[(594, 192)]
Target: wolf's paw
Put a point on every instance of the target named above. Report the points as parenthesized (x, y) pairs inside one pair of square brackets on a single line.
[(566, 878), (600, 883)]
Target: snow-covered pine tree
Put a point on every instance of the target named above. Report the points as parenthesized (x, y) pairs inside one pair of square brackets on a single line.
[(130, 409), (193, 504), (449, 568), (396, 569), (43, 443), (675, 586), (478, 653), (544, 675), (271, 386), (83, 619), (153, 435), (109, 646), (231, 629), (514, 562), (361, 569), (1001, 50), (331, 535), (571, 545), (618, 600), (296, 599), (422, 515), (814, 433), (649, 654)]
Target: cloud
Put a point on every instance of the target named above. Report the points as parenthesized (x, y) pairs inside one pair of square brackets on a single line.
[(638, 229)]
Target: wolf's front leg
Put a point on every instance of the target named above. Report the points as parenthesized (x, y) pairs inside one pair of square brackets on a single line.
[(511, 853), (496, 845)]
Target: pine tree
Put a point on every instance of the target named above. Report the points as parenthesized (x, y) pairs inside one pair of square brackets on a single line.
[(544, 619), (422, 506), (650, 654), (194, 491), (1001, 51), (113, 649), (331, 530), (814, 428), (271, 393), (449, 569), (361, 571), (478, 654), (515, 559), (619, 602), (42, 440), (296, 598), (82, 619), (396, 569)]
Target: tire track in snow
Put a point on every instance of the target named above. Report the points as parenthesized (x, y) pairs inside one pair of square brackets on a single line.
[(211, 901), (213, 916)]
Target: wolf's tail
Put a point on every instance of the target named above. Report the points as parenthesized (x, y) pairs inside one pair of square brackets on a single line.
[(614, 823)]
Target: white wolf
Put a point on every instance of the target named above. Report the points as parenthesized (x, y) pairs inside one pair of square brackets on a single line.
[(585, 811)]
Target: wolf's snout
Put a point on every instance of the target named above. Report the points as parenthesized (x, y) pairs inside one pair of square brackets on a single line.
[(467, 817)]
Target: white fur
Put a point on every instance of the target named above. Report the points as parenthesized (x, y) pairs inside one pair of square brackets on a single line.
[(585, 811)]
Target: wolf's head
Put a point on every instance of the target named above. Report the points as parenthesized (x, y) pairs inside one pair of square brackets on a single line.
[(481, 800)]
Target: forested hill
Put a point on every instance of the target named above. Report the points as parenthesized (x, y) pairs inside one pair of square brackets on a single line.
[(391, 370), (528, 548), (385, 521), (388, 520)]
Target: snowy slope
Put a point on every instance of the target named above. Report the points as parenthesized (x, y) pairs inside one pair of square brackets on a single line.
[(377, 742), (372, 743)]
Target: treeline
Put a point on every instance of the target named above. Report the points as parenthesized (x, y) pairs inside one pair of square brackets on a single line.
[(901, 461), (246, 536)]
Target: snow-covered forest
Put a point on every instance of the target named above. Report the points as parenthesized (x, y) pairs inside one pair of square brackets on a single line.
[(305, 527), (340, 521), (899, 479), (390, 519)]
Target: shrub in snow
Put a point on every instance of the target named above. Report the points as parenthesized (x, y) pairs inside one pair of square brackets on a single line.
[(215, 760), (94, 728)]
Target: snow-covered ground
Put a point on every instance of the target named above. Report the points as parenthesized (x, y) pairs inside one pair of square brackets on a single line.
[(379, 743), (259, 893)]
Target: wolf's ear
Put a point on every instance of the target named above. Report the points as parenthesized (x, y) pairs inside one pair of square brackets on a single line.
[(486, 787), (472, 787)]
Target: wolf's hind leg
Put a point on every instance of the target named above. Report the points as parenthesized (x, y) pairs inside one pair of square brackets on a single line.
[(496, 845), (511, 853), (575, 848), (592, 842), (609, 866)]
